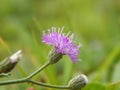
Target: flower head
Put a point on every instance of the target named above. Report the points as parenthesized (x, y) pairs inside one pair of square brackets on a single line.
[(78, 82), (9, 63), (62, 42)]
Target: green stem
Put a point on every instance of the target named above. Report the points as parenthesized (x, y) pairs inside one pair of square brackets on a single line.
[(27, 79), (48, 85), (38, 70), (23, 80), (13, 81)]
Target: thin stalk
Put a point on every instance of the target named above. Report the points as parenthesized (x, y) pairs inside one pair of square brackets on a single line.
[(27, 79), (38, 70), (22, 80), (48, 85)]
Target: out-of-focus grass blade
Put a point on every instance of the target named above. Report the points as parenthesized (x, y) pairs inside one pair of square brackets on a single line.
[(3, 43), (113, 86), (67, 71), (116, 72), (108, 62), (35, 47), (39, 27), (23, 73)]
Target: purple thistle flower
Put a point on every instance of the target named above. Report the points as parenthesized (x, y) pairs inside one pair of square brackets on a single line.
[(62, 43)]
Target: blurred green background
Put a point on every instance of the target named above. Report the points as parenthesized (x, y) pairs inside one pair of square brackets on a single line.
[(95, 23)]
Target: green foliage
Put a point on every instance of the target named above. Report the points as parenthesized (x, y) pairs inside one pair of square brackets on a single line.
[(95, 23), (94, 86)]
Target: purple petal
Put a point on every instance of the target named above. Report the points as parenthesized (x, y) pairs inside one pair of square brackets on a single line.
[(62, 43)]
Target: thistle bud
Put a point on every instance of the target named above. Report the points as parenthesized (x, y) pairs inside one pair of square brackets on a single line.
[(9, 63), (78, 82), (54, 56)]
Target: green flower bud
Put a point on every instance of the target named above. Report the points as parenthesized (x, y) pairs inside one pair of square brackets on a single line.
[(78, 82), (53, 56), (9, 63)]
